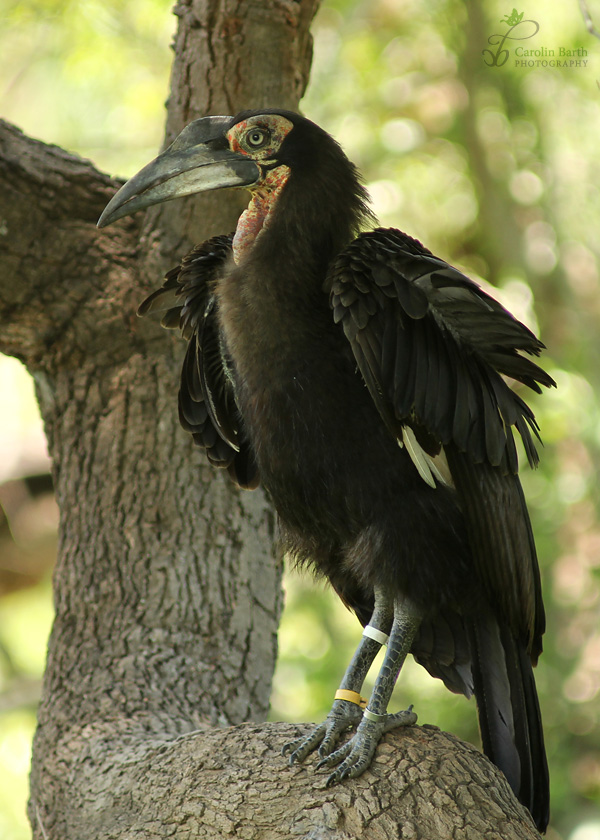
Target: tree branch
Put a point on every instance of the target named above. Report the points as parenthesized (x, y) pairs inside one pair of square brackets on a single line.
[(228, 783), (50, 250), (589, 23)]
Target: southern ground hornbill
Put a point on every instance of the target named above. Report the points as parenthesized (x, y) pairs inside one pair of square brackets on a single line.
[(359, 379)]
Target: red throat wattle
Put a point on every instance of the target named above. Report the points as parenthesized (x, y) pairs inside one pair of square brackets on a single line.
[(257, 215)]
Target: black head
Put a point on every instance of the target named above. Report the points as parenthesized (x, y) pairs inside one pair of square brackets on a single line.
[(254, 150)]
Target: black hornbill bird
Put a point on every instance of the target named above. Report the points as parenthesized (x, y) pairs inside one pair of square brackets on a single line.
[(359, 379)]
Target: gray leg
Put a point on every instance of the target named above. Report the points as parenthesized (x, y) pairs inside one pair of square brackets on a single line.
[(347, 713), (356, 755)]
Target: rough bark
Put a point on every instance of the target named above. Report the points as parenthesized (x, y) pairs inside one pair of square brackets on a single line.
[(166, 588), (224, 783)]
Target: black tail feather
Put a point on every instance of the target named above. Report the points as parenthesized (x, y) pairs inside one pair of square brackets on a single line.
[(509, 714), (539, 804)]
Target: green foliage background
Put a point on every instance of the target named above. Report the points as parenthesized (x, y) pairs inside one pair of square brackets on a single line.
[(497, 170)]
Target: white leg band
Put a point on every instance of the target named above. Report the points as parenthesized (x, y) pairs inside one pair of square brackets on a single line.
[(376, 635), (373, 716)]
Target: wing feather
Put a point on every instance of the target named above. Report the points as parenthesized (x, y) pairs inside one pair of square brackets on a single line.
[(432, 348), (207, 407)]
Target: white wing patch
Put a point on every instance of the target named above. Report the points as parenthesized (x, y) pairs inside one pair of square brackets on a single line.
[(429, 467)]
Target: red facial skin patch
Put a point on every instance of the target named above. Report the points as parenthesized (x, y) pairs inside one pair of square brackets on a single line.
[(276, 126), (265, 193), (256, 217)]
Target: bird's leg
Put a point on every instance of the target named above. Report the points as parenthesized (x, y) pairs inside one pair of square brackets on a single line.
[(346, 711), (356, 755)]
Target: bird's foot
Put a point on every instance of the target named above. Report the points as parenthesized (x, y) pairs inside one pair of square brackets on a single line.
[(344, 715), (355, 756)]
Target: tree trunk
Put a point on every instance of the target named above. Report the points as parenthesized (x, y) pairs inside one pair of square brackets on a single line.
[(167, 591)]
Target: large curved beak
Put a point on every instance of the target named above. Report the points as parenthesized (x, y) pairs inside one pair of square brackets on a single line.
[(198, 160)]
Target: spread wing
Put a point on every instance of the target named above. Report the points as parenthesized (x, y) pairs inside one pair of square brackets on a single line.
[(207, 407), (432, 348)]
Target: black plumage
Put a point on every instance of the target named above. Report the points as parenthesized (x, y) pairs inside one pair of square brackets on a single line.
[(359, 379), (207, 406)]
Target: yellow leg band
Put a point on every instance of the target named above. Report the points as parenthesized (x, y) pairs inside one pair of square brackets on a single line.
[(351, 697)]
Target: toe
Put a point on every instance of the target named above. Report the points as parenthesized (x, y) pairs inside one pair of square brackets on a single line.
[(301, 747)]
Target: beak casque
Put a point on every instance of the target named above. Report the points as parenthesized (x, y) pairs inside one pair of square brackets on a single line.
[(196, 161)]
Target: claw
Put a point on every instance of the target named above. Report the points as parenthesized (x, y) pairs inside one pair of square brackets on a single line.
[(333, 779), (325, 736), (305, 744), (336, 777), (330, 741), (404, 718), (355, 756), (335, 757)]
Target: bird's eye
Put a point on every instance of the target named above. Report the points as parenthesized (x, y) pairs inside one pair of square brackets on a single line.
[(257, 137)]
